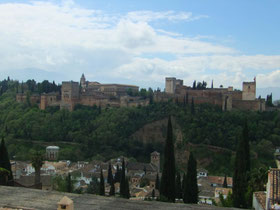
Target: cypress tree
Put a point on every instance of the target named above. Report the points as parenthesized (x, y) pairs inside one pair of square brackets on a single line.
[(225, 182), (123, 182), (5, 162), (178, 186), (183, 184), (241, 172), (194, 84), (246, 146), (191, 189), (167, 186), (157, 183), (117, 177), (187, 98), (37, 161), (112, 189), (110, 175), (192, 107), (127, 193), (101, 184), (153, 193), (69, 183), (212, 85), (4, 173)]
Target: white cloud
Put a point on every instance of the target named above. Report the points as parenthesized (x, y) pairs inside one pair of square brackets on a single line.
[(225, 70), (269, 80), (69, 39), (148, 16)]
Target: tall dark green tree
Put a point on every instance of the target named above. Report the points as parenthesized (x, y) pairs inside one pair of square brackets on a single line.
[(112, 189), (246, 140), (187, 98), (117, 177), (4, 174), (178, 186), (191, 189), (101, 184), (69, 184), (123, 181), (5, 162), (183, 184), (37, 161), (194, 84), (225, 182), (110, 175), (127, 191), (192, 107), (241, 171), (157, 183), (167, 184)]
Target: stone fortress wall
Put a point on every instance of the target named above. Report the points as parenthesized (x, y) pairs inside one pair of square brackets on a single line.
[(88, 94), (116, 95), (226, 98)]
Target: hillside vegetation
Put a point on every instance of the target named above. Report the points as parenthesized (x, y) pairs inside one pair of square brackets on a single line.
[(91, 133)]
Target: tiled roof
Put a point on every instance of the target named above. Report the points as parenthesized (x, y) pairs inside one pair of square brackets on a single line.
[(140, 166), (261, 198), (219, 180)]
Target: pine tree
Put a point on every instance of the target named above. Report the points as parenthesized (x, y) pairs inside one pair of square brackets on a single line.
[(157, 183), (69, 183), (242, 168), (5, 162), (225, 182), (110, 175), (191, 189), (127, 193), (167, 184), (101, 184), (178, 186), (123, 182), (187, 98)]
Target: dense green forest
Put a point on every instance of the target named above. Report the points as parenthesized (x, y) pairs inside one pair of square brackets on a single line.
[(93, 133)]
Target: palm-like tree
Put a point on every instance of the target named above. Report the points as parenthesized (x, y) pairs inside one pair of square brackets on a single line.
[(37, 161)]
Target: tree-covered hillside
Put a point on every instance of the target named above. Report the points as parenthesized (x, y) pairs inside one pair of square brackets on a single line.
[(89, 132)]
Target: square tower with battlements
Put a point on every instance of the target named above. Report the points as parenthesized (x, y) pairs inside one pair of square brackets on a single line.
[(170, 85), (249, 91)]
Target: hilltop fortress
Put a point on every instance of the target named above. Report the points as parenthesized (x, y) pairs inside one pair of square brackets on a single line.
[(226, 98), (118, 95)]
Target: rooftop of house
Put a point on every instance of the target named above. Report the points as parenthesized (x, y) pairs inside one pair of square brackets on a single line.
[(219, 180), (261, 198), (140, 166), (41, 199)]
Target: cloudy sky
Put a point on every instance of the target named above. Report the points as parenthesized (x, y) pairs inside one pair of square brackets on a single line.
[(141, 41)]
